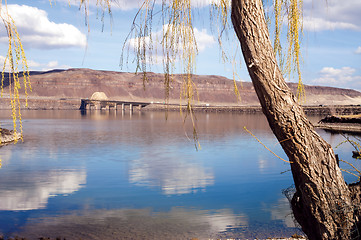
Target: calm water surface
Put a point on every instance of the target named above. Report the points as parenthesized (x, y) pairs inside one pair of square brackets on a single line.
[(106, 175)]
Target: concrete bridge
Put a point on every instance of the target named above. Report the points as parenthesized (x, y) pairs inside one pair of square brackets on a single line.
[(89, 104)]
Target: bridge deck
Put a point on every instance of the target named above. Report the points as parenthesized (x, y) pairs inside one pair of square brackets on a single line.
[(87, 104)]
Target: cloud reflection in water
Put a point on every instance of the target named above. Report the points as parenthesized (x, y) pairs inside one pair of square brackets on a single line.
[(178, 223), (173, 174), (282, 211), (31, 190)]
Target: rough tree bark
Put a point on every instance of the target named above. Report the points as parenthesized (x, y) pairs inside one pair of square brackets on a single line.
[(322, 202)]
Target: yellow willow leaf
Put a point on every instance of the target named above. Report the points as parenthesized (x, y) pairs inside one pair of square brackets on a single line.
[(15, 56)]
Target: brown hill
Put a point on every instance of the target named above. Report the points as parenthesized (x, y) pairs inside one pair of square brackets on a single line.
[(74, 84)]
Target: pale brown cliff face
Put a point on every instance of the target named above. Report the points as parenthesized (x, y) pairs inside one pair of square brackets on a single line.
[(215, 90)]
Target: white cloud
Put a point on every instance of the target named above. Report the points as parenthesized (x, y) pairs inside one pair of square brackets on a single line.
[(32, 64), (343, 77), (37, 31), (36, 66), (53, 64), (49, 66), (320, 24), (332, 14), (358, 50), (203, 39)]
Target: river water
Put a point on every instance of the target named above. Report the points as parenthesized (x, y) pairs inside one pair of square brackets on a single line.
[(108, 175)]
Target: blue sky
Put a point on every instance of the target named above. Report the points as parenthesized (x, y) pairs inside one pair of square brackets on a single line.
[(55, 36)]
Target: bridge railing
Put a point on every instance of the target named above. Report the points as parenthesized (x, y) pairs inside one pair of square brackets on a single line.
[(89, 104)]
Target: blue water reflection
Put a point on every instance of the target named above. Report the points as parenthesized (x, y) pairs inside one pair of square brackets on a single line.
[(174, 175), (116, 175)]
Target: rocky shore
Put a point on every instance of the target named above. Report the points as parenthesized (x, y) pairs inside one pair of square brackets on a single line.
[(342, 123), (311, 110), (7, 136)]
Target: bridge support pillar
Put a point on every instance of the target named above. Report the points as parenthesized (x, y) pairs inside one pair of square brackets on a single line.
[(87, 104)]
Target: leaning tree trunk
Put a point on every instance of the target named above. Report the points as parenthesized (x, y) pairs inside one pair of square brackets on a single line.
[(322, 203)]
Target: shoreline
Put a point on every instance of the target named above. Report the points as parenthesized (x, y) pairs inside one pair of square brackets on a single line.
[(340, 127), (46, 103), (312, 110), (341, 123), (75, 104), (8, 136)]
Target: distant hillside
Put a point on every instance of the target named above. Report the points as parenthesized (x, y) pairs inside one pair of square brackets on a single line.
[(216, 90)]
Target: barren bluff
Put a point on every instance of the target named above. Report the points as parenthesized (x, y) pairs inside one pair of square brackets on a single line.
[(63, 89)]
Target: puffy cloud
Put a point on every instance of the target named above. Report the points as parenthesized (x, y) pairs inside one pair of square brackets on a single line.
[(203, 39), (50, 66), (333, 14), (37, 31), (342, 77), (34, 65), (320, 24), (358, 50)]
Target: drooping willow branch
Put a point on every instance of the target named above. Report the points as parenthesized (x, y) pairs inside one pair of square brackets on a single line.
[(178, 43), (15, 57)]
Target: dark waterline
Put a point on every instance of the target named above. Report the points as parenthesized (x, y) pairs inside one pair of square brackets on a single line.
[(107, 175)]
